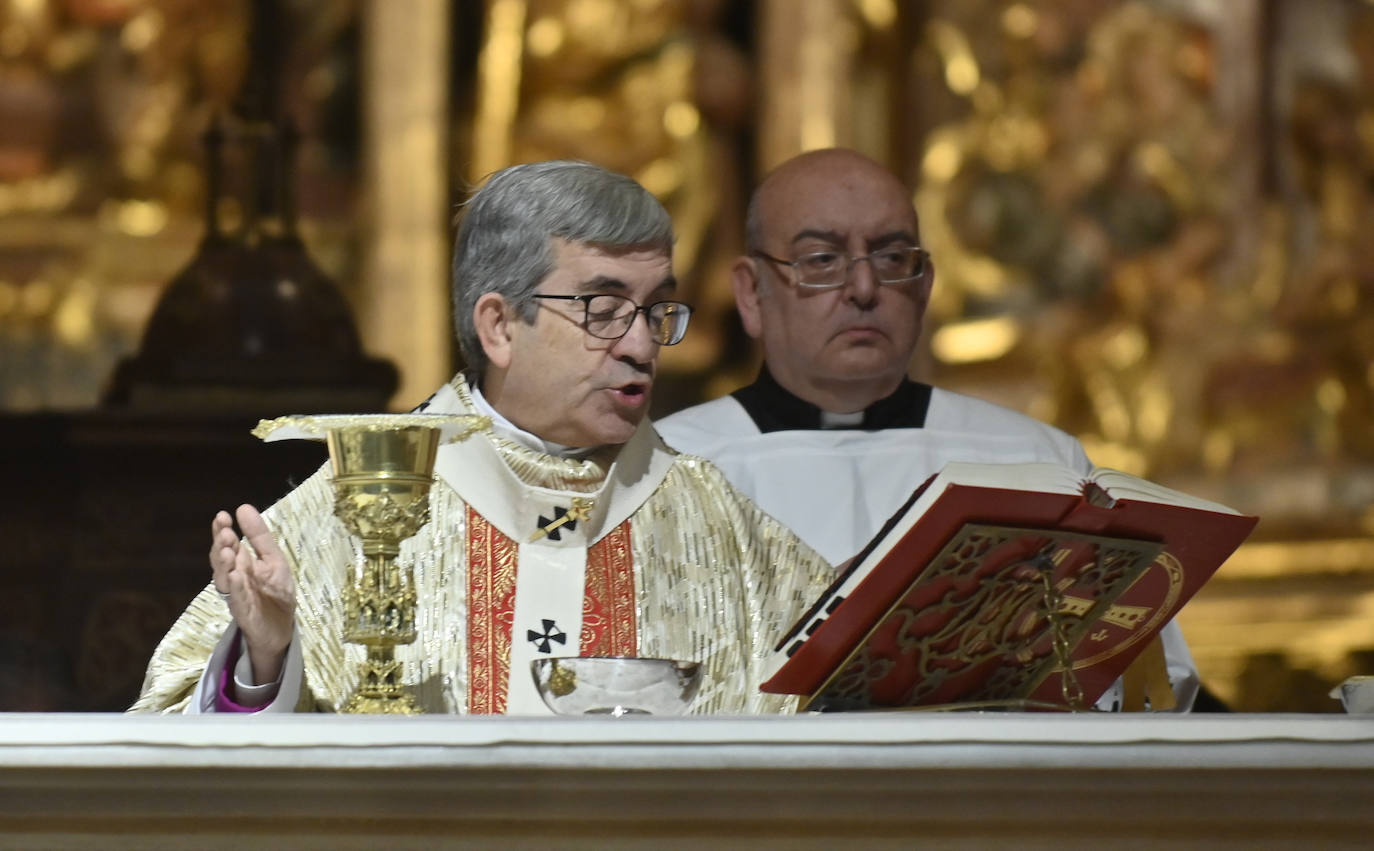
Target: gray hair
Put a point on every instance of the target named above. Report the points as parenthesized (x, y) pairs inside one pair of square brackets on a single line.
[(505, 240)]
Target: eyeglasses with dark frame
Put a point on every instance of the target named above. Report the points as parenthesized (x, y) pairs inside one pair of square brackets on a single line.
[(608, 316), (827, 270)]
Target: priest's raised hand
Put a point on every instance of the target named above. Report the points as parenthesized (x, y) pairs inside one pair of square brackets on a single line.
[(260, 590)]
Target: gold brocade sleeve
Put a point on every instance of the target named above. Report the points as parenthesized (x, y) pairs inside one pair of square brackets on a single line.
[(180, 657), (320, 551), (720, 582)]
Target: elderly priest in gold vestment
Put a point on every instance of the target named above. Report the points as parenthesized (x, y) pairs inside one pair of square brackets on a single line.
[(563, 294)]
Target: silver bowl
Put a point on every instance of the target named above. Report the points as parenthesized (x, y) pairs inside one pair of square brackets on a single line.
[(1356, 694), (608, 685)]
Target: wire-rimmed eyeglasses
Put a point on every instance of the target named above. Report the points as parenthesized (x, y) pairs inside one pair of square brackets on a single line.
[(826, 270), (609, 317)]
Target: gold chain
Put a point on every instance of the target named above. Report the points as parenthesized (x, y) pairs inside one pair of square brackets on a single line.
[(1068, 684)]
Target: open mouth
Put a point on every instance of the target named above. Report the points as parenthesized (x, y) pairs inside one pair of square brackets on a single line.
[(632, 394)]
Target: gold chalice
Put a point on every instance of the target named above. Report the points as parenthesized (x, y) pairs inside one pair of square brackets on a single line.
[(383, 466)]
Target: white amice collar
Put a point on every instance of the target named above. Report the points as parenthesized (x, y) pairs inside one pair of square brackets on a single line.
[(833, 420), (512, 432), (512, 485)]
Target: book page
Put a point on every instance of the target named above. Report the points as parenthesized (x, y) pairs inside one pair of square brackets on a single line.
[(1043, 477), (1125, 486)]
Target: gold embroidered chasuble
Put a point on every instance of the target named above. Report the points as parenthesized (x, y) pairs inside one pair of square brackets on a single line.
[(670, 561)]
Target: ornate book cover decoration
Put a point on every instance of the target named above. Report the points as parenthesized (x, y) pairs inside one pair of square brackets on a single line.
[(1015, 585)]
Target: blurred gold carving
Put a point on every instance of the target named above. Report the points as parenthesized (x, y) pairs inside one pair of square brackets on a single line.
[(1081, 200), (1179, 251), (99, 181), (102, 106)]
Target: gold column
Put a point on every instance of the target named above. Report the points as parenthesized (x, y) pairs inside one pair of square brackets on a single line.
[(828, 69), (498, 89), (804, 48), (404, 312), (1241, 54)]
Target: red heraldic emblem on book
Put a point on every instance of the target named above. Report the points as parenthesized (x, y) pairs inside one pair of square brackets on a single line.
[(1021, 585)]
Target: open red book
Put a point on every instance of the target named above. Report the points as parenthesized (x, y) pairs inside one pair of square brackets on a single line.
[(991, 576)]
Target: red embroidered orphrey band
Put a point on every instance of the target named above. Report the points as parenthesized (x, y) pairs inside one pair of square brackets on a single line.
[(608, 607), (608, 602), (491, 605)]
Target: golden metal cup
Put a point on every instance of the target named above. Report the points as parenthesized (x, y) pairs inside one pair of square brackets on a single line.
[(381, 493), (383, 467)]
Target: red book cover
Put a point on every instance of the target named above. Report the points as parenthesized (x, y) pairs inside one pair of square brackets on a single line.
[(951, 601)]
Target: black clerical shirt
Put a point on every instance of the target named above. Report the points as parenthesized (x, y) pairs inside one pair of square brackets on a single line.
[(773, 408)]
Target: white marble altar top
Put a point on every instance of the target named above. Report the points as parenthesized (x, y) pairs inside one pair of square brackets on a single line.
[(873, 781), (878, 740)]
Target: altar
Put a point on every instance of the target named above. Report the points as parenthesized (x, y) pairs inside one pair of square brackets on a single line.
[(852, 781)]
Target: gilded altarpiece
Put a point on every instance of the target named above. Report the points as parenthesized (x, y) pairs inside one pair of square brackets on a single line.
[(103, 107), (1144, 220)]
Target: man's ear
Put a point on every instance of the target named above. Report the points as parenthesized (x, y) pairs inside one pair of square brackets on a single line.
[(493, 322), (744, 277)]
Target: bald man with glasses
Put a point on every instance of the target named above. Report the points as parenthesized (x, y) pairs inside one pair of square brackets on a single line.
[(833, 436), (570, 529)]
